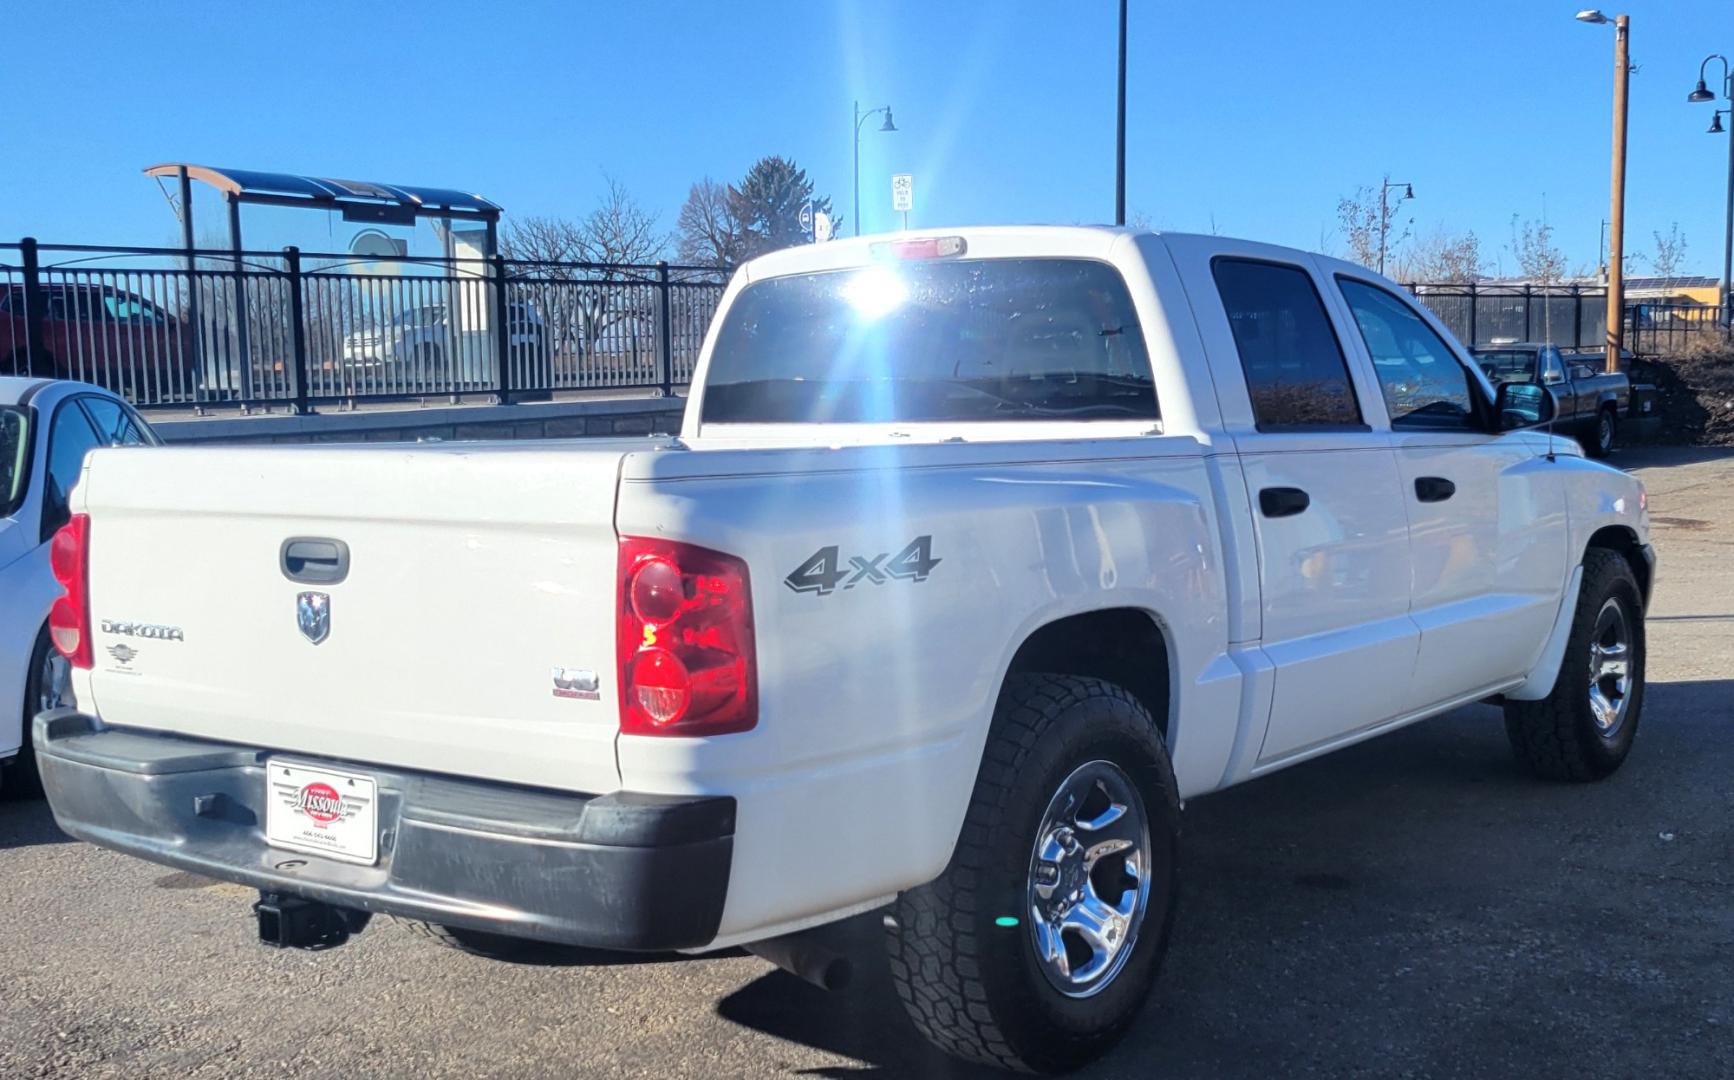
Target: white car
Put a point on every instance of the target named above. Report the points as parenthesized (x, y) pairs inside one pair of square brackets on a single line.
[(977, 554), (412, 346), (46, 428)]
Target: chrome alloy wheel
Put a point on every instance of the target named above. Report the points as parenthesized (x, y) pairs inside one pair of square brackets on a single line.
[(1610, 668), (1089, 880)]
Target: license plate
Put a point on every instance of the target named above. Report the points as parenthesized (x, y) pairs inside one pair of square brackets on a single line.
[(324, 811)]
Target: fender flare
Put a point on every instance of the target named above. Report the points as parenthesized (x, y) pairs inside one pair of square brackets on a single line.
[(1546, 670)]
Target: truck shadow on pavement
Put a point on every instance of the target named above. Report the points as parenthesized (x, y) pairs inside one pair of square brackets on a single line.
[(27, 823), (1414, 905)]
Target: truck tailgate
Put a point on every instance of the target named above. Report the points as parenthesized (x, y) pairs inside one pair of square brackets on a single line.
[(474, 571)]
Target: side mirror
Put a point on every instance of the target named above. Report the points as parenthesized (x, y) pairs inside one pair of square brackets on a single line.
[(1521, 405)]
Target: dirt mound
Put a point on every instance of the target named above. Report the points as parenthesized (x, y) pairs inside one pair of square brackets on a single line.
[(1695, 395)]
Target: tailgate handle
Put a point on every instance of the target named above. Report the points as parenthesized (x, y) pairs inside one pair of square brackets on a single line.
[(314, 560)]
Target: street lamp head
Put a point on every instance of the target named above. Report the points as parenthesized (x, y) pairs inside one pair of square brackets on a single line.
[(1592, 16), (887, 125), (1716, 124), (1701, 93), (1408, 191)]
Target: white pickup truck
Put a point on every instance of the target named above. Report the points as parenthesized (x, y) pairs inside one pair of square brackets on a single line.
[(977, 554)]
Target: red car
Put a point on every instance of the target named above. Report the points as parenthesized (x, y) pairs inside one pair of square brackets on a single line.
[(104, 335)]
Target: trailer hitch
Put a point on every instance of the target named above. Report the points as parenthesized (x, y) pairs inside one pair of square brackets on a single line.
[(294, 922)]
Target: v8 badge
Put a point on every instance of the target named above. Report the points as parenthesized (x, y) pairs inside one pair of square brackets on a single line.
[(823, 571)]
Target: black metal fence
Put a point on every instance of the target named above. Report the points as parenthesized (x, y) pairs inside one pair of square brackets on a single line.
[(300, 329), (1569, 316)]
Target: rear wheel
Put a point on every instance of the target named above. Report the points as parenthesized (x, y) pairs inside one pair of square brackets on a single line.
[(1601, 442), (1037, 946), (1583, 730)]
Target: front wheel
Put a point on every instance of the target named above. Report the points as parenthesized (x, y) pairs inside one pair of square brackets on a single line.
[(1583, 729), (1037, 946)]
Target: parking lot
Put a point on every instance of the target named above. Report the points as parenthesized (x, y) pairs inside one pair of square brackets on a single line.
[(1415, 906)]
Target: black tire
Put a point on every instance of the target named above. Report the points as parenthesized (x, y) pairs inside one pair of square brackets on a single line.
[(1559, 736), (974, 985), (477, 942), (1600, 442), (22, 779)]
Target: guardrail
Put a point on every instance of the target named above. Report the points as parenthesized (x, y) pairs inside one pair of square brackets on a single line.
[(208, 328)]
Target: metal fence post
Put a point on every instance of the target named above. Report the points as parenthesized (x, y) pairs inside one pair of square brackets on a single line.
[(1577, 316), (502, 328), (1473, 304), (35, 310), (297, 329), (243, 347), (1528, 302), (664, 329)]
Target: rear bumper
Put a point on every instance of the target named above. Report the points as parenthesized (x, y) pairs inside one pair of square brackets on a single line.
[(618, 871)]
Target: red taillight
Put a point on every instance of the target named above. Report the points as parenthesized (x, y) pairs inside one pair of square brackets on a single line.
[(686, 640), (69, 618)]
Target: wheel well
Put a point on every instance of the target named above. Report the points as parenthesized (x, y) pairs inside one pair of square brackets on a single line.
[(1121, 645), (1624, 542)]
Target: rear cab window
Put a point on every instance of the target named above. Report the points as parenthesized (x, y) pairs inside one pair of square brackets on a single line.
[(953, 340)]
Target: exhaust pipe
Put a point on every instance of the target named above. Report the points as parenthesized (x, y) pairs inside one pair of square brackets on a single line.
[(809, 955)]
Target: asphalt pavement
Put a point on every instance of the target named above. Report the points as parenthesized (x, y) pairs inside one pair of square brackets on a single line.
[(1412, 907)]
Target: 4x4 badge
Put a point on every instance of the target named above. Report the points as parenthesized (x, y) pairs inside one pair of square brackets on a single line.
[(313, 614)]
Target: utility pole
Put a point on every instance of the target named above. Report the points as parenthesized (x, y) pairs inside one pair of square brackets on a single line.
[(1617, 214)]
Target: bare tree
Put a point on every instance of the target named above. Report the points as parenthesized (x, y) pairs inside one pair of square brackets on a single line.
[(620, 231), (1538, 257), (1441, 256), (1670, 255), (590, 279), (1368, 221), (706, 232)]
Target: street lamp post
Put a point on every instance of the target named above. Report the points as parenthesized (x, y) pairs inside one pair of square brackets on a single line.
[(1617, 217), (1385, 212), (861, 118), (1703, 93), (1120, 130)]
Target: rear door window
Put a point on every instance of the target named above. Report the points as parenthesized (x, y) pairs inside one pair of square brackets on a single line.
[(1295, 371), (933, 340)]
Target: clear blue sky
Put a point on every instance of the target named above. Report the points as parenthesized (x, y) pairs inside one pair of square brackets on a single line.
[(1254, 116)]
